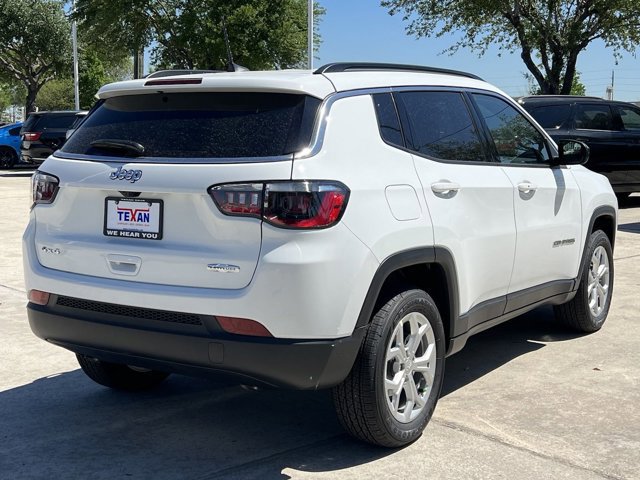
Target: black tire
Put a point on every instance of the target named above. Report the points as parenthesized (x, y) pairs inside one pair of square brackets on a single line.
[(577, 314), (8, 158), (119, 377), (360, 400)]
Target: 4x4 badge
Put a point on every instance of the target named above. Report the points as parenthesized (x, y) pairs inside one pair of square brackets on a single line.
[(223, 268), (123, 174)]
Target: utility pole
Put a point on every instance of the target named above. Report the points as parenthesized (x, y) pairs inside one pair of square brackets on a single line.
[(612, 82), (610, 87), (74, 40), (310, 34)]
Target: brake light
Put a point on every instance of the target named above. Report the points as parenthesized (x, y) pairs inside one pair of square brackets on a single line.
[(296, 204), (44, 187), (169, 81), (32, 136)]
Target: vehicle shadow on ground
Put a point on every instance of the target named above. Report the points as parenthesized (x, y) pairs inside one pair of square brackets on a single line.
[(65, 426), (498, 346), (18, 171), (630, 227)]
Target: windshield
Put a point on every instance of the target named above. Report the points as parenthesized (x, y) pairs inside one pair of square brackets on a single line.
[(199, 126)]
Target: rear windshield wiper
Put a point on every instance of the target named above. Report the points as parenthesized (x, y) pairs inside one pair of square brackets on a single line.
[(126, 147)]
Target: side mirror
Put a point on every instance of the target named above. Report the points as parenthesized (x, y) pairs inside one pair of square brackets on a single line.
[(571, 152)]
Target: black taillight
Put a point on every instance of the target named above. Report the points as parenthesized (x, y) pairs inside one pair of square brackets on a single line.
[(296, 204), (239, 199)]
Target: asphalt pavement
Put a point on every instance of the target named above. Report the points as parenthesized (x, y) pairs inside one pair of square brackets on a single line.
[(527, 399)]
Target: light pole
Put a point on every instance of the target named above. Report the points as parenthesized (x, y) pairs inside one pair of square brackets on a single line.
[(74, 40), (310, 34)]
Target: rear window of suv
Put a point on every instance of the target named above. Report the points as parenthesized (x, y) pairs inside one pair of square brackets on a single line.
[(41, 122), (200, 126)]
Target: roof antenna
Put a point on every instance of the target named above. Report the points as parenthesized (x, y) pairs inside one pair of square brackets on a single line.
[(231, 66)]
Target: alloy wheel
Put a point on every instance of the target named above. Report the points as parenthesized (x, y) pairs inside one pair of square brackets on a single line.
[(410, 367)]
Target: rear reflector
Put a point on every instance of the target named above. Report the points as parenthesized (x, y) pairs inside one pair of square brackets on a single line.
[(168, 81), (38, 297), (243, 326)]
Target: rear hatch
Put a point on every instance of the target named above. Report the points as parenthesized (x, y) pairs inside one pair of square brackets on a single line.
[(133, 202), (46, 130)]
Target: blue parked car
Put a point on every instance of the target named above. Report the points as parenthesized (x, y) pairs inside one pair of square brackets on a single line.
[(10, 145)]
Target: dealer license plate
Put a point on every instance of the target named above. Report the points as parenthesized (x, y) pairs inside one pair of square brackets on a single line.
[(133, 218)]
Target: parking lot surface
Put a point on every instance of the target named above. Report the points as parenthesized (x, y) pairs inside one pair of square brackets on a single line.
[(526, 399)]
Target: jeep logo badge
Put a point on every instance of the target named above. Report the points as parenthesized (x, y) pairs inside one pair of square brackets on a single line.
[(123, 174)]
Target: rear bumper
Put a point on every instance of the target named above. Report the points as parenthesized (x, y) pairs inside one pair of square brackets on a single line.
[(192, 349), (35, 154)]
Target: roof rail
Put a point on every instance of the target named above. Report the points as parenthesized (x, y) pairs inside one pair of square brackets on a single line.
[(170, 73), (560, 97), (368, 66)]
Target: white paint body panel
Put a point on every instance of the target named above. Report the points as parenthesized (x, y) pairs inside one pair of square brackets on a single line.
[(550, 213), (475, 224), (354, 153), (195, 233)]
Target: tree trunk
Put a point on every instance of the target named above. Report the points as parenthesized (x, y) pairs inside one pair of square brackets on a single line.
[(32, 93)]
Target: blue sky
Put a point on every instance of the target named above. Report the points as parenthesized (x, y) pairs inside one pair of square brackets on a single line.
[(361, 30)]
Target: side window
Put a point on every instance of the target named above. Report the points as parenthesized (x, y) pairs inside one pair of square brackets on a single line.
[(388, 119), (14, 132), (551, 116), (630, 118), (594, 117), (439, 125), (515, 138)]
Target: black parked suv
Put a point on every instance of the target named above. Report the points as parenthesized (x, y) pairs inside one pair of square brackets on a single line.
[(43, 133), (610, 128)]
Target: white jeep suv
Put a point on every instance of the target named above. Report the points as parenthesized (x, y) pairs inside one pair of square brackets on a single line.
[(345, 228)]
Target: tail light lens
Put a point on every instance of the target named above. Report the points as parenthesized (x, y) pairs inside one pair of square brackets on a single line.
[(239, 199), (299, 204), (44, 187), (39, 297), (32, 136)]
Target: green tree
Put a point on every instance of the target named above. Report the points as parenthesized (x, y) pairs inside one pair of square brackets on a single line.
[(577, 87), (57, 94), (96, 69), (188, 33), (549, 34), (34, 43)]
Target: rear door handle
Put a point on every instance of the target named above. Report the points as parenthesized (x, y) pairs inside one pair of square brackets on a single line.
[(444, 188), (526, 187)]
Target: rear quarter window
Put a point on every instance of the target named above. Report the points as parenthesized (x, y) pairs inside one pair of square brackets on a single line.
[(201, 126), (388, 122)]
